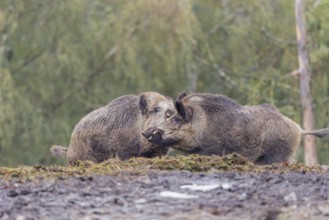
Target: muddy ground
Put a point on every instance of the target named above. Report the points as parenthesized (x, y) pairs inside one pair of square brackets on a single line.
[(149, 193)]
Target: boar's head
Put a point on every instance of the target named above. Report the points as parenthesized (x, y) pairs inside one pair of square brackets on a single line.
[(155, 108), (179, 131)]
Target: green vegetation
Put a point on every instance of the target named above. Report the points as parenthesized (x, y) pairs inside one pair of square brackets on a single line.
[(193, 163), (61, 59)]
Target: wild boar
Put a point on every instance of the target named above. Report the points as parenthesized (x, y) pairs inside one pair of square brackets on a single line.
[(115, 130), (212, 124)]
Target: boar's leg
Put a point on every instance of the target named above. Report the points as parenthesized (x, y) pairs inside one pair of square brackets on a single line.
[(154, 151), (278, 152), (126, 148), (261, 160), (99, 150)]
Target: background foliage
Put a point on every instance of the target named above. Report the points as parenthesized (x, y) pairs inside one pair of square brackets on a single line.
[(61, 59)]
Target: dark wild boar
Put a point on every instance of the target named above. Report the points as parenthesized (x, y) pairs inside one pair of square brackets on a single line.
[(212, 124), (115, 130)]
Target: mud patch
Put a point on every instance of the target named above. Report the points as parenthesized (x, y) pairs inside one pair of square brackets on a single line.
[(129, 196), (193, 187)]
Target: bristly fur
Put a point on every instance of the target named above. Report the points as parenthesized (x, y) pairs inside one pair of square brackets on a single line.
[(219, 125), (115, 130)]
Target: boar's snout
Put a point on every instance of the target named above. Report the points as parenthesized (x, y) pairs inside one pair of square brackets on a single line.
[(153, 135)]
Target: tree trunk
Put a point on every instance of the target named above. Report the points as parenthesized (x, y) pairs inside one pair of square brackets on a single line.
[(310, 153)]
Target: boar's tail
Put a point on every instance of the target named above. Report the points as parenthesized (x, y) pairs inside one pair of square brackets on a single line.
[(319, 133), (58, 151)]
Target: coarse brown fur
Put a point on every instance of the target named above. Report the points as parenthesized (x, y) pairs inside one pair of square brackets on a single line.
[(212, 124), (115, 130)]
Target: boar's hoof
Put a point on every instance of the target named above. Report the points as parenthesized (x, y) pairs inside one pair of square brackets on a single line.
[(153, 135)]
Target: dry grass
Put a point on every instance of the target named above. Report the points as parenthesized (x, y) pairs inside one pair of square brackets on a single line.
[(193, 163)]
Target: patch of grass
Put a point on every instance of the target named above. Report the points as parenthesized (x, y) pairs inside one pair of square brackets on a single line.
[(193, 163)]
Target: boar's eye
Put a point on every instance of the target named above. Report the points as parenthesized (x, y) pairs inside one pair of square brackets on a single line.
[(157, 109), (169, 113), (176, 119)]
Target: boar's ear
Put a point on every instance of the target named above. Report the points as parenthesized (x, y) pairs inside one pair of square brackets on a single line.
[(181, 96), (185, 112), (188, 114), (179, 104), (143, 104)]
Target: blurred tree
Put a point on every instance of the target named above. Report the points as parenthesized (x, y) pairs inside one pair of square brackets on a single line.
[(310, 152)]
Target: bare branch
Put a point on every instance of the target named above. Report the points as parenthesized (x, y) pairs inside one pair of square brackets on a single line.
[(291, 74), (220, 25), (276, 39)]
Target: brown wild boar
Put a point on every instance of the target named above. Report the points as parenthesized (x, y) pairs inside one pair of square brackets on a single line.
[(212, 124), (115, 130)]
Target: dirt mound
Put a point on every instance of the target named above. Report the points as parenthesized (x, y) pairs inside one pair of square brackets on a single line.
[(193, 163), (182, 187)]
